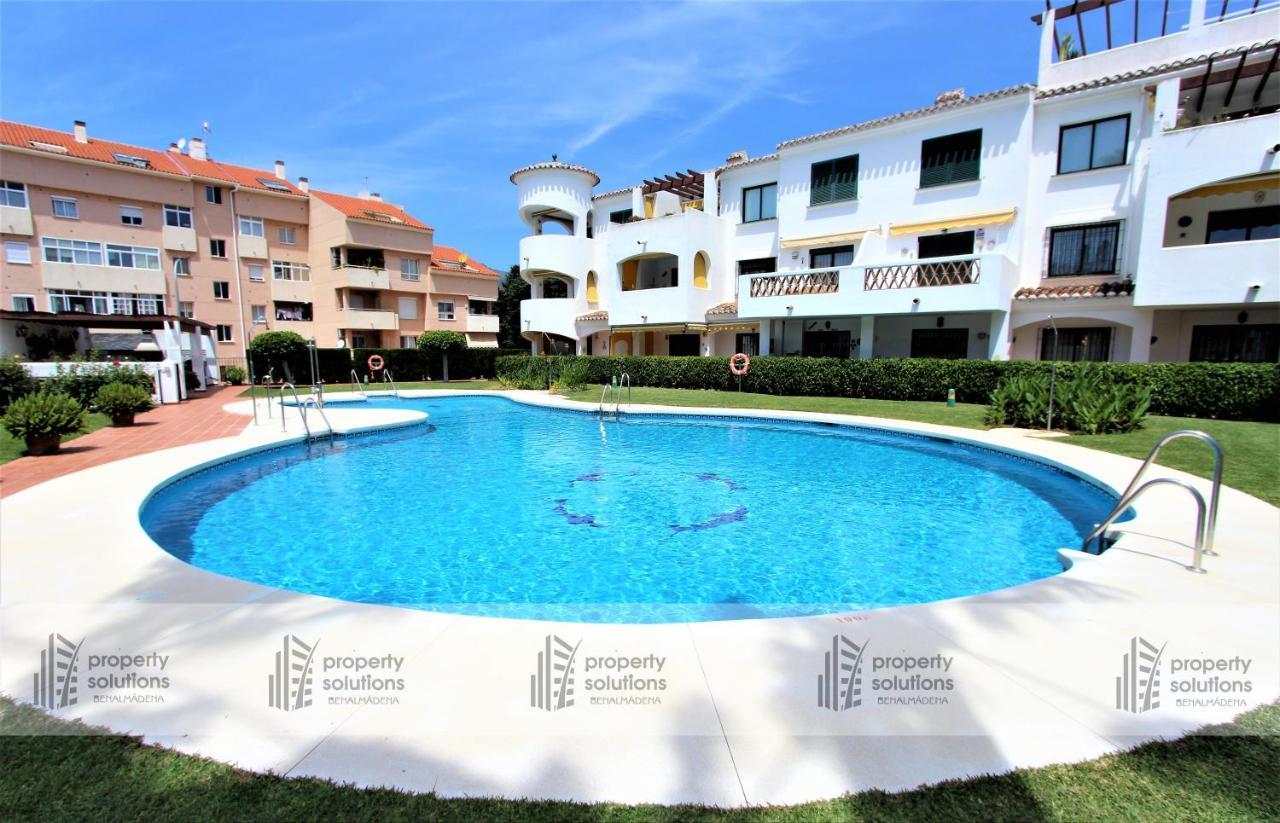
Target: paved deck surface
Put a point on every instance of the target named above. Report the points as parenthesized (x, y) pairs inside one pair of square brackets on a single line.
[(181, 424)]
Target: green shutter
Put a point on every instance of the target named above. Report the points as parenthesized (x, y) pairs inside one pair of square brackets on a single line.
[(845, 179), (820, 182)]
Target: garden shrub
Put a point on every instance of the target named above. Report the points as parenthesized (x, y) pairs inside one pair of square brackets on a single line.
[(282, 352), (1020, 401), (233, 375), (411, 364), (43, 413), (1086, 399), (82, 380), (121, 398), (15, 381), (1231, 391)]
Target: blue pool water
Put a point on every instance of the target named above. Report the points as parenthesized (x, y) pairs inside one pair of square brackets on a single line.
[(497, 508)]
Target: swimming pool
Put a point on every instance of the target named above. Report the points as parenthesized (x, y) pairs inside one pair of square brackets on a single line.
[(499, 508)]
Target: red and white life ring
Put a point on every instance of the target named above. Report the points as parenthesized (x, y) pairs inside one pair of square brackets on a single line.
[(740, 364), (375, 362)]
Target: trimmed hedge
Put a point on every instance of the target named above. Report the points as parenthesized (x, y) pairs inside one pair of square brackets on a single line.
[(413, 364), (335, 367), (1229, 391)]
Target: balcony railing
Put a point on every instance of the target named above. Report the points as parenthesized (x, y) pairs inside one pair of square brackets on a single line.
[(915, 275), (780, 285)]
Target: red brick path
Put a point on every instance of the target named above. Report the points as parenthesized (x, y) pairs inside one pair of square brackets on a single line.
[(198, 419)]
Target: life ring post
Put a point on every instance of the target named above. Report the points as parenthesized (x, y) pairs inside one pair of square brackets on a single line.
[(375, 362)]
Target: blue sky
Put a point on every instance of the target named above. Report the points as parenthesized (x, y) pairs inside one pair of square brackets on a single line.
[(436, 103)]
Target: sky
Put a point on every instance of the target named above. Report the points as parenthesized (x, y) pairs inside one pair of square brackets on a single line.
[(434, 104)]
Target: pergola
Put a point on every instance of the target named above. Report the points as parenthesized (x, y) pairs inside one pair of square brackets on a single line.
[(687, 184)]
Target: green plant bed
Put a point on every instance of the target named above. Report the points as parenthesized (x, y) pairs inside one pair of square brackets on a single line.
[(51, 773), (11, 448), (339, 388)]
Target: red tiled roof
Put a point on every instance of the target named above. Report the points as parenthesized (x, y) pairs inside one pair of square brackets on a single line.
[(246, 177), (594, 315), (374, 210), (723, 309), (1116, 288), (22, 136), (448, 254)]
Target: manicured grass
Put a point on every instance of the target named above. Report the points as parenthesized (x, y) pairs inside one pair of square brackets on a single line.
[(51, 774), (1252, 449), (346, 387), (11, 448)]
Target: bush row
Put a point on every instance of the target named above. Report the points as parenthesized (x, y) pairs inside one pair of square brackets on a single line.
[(1230, 391), (413, 364), (335, 366)]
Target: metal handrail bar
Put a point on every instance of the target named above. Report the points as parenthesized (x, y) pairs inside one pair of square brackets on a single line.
[(625, 378), (302, 409), (604, 390), (324, 417), (1218, 460), (355, 384), (387, 378), (1127, 500)]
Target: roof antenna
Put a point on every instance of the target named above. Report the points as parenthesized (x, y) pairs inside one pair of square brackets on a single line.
[(554, 157)]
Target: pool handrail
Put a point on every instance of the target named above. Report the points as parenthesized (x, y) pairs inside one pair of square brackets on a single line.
[(623, 378), (1198, 546), (355, 385), (1211, 523), (387, 378)]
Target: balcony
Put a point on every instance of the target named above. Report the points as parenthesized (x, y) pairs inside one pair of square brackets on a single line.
[(15, 220), (102, 278), (1215, 273), (551, 315), (374, 319), (252, 246), (487, 323), (561, 253), (292, 291), (359, 277), (303, 327), (952, 284)]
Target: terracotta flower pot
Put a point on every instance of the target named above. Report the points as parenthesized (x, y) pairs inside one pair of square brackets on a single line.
[(38, 444), (122, 419)]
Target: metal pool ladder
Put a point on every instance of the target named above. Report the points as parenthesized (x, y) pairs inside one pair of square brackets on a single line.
[(1206, 516), (615, 385), (302, 411), (387, 378), (355, 384)]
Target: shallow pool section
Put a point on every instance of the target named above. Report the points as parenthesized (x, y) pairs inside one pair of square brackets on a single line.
[(498, 508)]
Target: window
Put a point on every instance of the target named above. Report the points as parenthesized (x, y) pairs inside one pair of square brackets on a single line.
[(258, 314), (408, 269), (831, 258), (221, 290), (1076, 344), (182, 266), (1258, 343), (292, 311), (131, 160), (947, 344), (133, 257), (84, 252), (218, 248), (16, 251), (759, 265), (760, 203), (408, 341), (335, 256), (1079, 250), (1094, 145), (213, 194), (1233, 225), (23, 302), (224, 333), (684, 345), (620, 216), (177, 216), (287, 235), (131, 215), (13, 194), (825, 343), (66, 207), (408, 308), (284, 270), (257, 272), (950, 159), (79, 302), (137, 304), (478, 306), (832, 181), (186, 309), (252, 226), (444, 310), (747, 343), (951, 244)]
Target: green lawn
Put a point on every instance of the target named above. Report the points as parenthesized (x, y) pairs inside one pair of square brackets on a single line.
[(1229, 773), (1252, 449), (11, 448)]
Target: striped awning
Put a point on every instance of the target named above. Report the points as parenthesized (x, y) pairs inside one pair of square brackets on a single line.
[(960, 221), (827, 239), (1257, 183)]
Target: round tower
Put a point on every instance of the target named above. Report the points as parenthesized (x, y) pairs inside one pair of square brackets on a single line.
[(557, 193)]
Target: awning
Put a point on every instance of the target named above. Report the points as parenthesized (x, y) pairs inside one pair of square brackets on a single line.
[(477, 298), (827, 239), (475, 342), (715, 327), (674, 328), (1266, 181), (962, 221)]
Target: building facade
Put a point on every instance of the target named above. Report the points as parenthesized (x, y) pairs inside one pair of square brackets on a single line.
[(103, 229), (1125, 207)]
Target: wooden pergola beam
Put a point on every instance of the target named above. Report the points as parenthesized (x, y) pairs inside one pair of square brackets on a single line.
[(1076, 8), (1266, 75), (1235, 79), (1204, 86)]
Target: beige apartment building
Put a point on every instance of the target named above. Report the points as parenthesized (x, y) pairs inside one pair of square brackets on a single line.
[(98, 228)]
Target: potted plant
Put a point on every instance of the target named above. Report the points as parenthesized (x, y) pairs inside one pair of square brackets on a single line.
[(233, 375), (41, 419), (122, 401)]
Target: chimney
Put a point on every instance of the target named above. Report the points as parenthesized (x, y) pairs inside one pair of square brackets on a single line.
[(173, 147), (195, 149), (304, 184), (82, 132), (949, 96), (377, 198), (363, 194), (737, 157), (280, 169)]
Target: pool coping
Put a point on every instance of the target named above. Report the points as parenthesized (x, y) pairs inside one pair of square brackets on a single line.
[(745, 749)]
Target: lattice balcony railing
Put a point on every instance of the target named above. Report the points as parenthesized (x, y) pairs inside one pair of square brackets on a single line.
[(782, 285), (921, 275)]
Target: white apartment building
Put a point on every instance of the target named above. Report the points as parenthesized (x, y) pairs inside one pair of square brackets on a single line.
[(1126, 207)]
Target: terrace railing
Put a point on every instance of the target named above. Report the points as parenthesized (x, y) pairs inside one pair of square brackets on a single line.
[(782, 285), (958, 272)]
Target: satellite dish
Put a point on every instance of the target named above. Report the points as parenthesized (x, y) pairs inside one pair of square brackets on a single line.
[(182, 143)]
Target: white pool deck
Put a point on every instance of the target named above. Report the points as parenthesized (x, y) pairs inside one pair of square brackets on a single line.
[(1033, 667)]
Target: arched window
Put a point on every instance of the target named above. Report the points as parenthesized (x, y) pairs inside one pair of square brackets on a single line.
[(700, 266), (593, 295)]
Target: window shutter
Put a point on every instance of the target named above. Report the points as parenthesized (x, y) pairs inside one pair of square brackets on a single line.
[(820, 183), (845, 179)]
